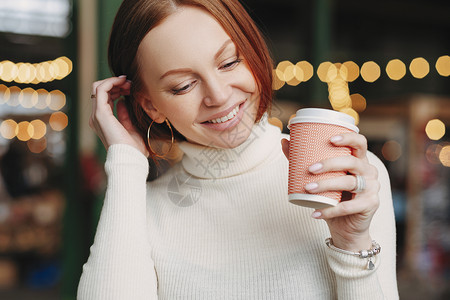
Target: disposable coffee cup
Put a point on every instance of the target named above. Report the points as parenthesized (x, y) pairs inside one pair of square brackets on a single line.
[(310, 133)]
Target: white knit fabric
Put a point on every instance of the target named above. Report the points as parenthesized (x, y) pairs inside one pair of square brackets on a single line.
[(218, 225)]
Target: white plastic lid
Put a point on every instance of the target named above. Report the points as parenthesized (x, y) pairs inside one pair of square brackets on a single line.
[(324, 116)]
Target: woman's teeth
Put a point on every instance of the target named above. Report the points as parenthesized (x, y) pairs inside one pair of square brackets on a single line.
[(230, 116)]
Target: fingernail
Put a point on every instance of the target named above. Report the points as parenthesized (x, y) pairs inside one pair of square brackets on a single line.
[(311, 186), (316, 214), (336, 138), (122, 76), (315, 167)]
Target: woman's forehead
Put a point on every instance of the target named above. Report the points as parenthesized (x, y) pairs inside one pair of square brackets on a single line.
[(188, 34)]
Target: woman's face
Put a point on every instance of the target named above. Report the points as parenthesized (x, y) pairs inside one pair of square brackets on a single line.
[(195, 78)]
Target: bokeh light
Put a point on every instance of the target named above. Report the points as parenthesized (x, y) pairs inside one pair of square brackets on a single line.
[(432, 153), (396, 69), (391, 150), (37, 146), (325, 71), (359, 103), (352, 71), (370, 71), (9, 129), (35, 73), (40, 129), (25, 131), (419, 67), (57, 100), (443, 65), (58, 121), (444, 156), (435, 129), (307, 68), (277, 83)]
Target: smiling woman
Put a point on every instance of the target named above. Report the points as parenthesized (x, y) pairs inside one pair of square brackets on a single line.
[(217, 225), (240, 37)]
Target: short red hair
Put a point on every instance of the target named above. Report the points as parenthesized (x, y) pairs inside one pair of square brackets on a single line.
[(135, 18)]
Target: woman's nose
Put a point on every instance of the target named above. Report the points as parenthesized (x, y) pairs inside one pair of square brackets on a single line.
[(217, 91)]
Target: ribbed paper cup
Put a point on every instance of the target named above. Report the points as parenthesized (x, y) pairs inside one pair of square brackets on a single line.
[(310, 133)]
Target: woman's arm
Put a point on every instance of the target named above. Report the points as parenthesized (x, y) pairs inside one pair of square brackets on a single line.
[(353, 280), (120, 265)]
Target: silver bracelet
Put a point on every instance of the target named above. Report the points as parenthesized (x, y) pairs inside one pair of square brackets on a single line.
[(376, 248)]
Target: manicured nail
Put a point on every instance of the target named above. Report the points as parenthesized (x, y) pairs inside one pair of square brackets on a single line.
[(311, 186), (316, 214), (122, 76), (315, 167), (336, 138)]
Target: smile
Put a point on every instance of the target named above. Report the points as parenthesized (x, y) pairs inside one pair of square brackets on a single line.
[(228, 117)]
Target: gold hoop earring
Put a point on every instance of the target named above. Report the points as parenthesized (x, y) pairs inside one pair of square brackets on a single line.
[(171, 142)]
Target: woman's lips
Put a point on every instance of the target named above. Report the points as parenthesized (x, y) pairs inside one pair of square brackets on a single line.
[(229, 123)]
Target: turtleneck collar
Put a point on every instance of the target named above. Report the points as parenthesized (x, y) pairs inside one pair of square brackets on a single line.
[(213, 163)]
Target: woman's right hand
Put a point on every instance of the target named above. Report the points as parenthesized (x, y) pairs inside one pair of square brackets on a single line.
[(112, 130)]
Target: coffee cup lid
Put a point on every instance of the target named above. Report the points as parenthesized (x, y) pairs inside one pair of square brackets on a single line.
[(324, 116)]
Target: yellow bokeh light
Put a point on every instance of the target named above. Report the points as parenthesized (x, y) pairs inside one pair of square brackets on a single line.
[(352, 70), (281, 67), (40, 129), (43, 96), (28, 97), (307, 68), (9, 71), (277, 83), (359, 103), (25, 131), (3, 93), (419, 67), (435, 129), (324, 72), (443, 65), (293, 75), (14, 93), (57, 100), (9, 129), (351, 112), (370, 71), (396, 69), (58, 121), (444, 156), (391, 150)]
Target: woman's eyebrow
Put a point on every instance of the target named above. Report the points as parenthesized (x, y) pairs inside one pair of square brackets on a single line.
[(222, 49), (187, 70)]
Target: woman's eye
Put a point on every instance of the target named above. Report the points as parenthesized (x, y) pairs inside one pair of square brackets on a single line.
[(230, 65), (184, 89)]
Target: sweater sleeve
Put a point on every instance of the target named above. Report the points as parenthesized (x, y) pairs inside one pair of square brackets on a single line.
[(119, 265), (354, 280)]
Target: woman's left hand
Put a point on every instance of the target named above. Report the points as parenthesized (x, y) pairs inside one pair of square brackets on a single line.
[(349, 221)]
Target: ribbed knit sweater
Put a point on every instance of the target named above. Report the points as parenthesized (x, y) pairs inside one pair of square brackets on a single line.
[(218, 225)]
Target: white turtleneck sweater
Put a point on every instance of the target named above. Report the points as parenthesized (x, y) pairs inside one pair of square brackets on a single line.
[(218, 225)]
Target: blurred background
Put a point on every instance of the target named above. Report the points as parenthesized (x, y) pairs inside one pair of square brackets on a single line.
[(385, 62)]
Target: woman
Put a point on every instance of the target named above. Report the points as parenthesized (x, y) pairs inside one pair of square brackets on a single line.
[(218, 225)]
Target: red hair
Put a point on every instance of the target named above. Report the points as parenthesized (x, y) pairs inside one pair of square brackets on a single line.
[(135, 18)]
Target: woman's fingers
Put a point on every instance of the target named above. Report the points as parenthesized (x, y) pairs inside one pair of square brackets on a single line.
[(285, 147), (364, 205), (341, 183), (357, 142), (346, 163)]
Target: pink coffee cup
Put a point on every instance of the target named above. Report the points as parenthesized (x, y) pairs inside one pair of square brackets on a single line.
[(310, 133)]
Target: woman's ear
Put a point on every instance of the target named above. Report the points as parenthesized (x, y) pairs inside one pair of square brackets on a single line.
[(151, 110)]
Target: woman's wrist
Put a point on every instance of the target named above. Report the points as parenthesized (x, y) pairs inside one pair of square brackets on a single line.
[(353, 243)]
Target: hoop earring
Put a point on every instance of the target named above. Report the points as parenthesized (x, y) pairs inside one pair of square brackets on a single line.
[(148, 139)]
